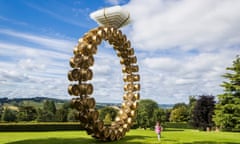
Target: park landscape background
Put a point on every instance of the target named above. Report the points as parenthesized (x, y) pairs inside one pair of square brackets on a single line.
[(202, 113), (202, 120)]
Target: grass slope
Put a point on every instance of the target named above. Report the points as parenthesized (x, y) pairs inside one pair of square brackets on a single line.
[(171, 136)]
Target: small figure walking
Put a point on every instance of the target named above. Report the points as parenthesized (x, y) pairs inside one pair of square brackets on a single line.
[(158, 129)]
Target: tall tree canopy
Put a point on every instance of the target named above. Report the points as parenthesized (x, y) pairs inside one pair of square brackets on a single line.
[(191, 105), (50, 106), (159, 115), (47, 114), (203, 112), (9, 115), (227, 113), (177, 105), (1, 111), (145, 113), (179, 114)]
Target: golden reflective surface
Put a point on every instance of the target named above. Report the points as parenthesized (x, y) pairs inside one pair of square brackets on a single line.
[(81, 89)]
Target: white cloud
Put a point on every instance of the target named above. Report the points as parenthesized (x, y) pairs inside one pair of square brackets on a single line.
[(158, 63), (41, 69), (164, 78), (31, 65), (184, 46), (28, 70), (203, 25), (13, 76), (51, 43), (107, 80)]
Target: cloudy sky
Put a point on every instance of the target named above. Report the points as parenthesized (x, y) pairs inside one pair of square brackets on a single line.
[(182, 46)]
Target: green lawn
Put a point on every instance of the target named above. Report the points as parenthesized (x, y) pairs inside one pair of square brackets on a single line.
[(170, 136)]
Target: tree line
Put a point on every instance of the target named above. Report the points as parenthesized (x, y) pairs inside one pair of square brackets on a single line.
[(48, 113), (198, 113)]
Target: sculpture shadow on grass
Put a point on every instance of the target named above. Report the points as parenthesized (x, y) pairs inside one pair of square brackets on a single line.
[(127, 139)]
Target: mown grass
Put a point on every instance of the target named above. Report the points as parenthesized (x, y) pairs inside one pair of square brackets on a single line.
[(170, 136)]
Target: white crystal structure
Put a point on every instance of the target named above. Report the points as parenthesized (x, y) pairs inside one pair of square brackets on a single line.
[(114, 16)]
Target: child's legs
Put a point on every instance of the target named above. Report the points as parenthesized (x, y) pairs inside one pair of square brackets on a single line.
[(158, 135)]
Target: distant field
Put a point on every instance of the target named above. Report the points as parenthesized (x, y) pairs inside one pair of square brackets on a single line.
[(36, 105), (171, 136)]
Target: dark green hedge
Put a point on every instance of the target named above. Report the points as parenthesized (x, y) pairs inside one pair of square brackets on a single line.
[(182, 125), (231, 129), (40, 127)]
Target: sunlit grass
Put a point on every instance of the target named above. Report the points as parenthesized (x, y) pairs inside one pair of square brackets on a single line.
[(133, 137)]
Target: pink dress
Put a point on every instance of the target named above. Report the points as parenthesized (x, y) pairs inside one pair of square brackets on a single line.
[(158, 129)]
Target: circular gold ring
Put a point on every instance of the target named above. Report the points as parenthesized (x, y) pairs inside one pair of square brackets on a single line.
[(81, 73)]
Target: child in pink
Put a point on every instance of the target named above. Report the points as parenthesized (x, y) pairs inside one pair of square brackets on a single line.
[(158, 130)]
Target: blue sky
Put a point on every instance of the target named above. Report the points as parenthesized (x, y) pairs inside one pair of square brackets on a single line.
[(183, 47)]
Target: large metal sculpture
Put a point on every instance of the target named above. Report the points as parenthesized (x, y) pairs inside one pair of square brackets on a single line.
[(110, 19)]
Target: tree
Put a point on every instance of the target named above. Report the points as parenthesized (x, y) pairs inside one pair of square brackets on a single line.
[(108, 110), (191, 105), (145, 113), (227, 112), (192, 101), (47, 114), (203, 112), (179, 114), (168, 114), (39, 115), (9, 115), (1, 111), (143, 120), (72, 115), (61, 115), (27, 113), (177, 105), (159, 115), (66, 105), (49, 105)]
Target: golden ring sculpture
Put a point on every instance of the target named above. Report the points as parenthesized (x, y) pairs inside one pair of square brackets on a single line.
[(81, 73)]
